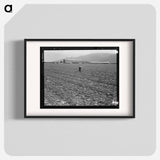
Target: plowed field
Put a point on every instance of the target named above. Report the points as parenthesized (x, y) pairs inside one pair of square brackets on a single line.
[(95, 85)]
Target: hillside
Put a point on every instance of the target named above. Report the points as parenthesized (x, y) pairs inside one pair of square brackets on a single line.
[(96, 57)]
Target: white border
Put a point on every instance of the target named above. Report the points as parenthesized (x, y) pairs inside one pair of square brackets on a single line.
[(125, 78)]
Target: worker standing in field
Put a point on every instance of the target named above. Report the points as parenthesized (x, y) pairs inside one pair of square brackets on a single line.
[(80, 68)]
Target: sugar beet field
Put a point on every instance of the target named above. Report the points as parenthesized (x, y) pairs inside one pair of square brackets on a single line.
[(95, 85)]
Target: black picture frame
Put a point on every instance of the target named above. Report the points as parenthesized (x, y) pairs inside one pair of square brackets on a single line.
[(25, 76)]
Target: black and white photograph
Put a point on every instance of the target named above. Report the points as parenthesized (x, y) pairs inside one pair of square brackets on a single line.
[(85, 78), (79, 77)]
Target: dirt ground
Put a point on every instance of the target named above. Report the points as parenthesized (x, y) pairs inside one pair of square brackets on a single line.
[(95, 85)]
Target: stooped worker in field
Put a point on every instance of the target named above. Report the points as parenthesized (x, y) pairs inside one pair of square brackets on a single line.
[(80, 68)]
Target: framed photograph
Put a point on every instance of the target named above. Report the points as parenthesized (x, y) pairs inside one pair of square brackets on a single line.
[(79, 78)]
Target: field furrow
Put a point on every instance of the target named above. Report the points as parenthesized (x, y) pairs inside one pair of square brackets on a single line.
[(95, 85)]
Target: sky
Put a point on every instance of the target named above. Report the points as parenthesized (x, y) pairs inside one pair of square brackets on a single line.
[(54, 55)]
